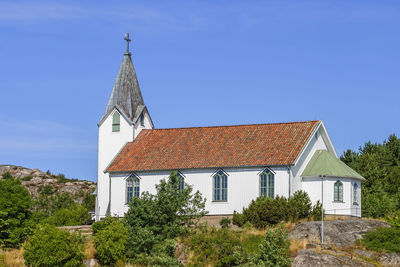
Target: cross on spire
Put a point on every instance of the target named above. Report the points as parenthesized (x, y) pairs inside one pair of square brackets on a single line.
[(127, 43)]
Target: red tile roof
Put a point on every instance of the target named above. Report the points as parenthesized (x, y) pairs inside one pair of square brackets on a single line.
[(213, 147)]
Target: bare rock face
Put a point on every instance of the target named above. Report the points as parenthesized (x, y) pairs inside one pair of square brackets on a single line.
[(392, 259), (340, 233), (308, 258), (35, 180)]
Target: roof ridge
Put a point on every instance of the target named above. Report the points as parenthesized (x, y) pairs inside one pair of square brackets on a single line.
[(238, 125)]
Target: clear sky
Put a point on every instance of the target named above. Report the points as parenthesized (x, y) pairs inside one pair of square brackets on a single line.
[(199, 63)]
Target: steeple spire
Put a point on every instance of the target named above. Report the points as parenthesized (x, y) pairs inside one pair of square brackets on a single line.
[(126, 94)]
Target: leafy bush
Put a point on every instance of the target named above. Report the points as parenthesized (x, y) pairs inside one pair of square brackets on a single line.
[(50, 246), (89, 201), (152, 219), (49, 204), (211, 245), (226, 247), (394, 219), (15, 205), (110, 243), (383, 239), (274, 249), (27, 178), (74, 215), (46, 190), (238, 219), (300, 205), (263, 212), (225, 222), (162, 254), (100, 225), (316, 213)]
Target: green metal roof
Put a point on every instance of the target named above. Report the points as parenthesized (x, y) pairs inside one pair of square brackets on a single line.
[(325, 163)]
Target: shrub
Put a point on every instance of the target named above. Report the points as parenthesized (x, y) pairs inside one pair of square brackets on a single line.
[(238, 219), (27, 178), (151, 219), (100, 225), (74, 215), (46, 190), (15, 205), (383, 239), (162, 254), (89, 201), (263, 212), (110, 243), (225, 222), (316, 213), (274, 249), (300, 205), (50, 246), (394, 219), (211, 245)]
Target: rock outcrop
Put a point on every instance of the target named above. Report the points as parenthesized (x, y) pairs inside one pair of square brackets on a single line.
[(309, 258), (35, 181), (339, 233)]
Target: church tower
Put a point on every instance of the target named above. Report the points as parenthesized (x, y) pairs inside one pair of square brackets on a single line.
[(125, 116)]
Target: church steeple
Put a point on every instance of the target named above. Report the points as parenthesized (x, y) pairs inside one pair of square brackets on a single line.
[(126, 94)]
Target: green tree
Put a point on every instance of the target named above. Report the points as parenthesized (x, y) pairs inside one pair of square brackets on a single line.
[(50, 246), (300, 205), (15, 205), (379, 164), (151, 219)]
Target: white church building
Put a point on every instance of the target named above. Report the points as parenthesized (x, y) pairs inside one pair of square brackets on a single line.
[(229, 165)]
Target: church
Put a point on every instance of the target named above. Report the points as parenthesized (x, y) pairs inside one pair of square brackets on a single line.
[(229, 165)]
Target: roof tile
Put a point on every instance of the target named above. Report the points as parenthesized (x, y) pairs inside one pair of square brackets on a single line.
[(213, 147)]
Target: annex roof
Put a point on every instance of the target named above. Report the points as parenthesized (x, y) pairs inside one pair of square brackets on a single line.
[(324, 163), (214, 147)]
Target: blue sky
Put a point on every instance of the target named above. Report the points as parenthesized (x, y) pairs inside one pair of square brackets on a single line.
[(199, 63)]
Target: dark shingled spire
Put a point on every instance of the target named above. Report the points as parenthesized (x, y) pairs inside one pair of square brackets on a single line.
[(126, 93)]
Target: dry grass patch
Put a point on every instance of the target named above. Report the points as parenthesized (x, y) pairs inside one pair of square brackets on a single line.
[(297, 245), (13, 257), (90, 250)]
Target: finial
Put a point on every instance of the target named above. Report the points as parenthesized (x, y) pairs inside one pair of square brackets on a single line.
[(127, 43)]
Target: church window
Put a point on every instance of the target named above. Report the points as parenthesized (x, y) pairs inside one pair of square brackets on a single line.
[(338, 191), (142, 120), (181, 180), (116, 122), (220, 186), (132, 188), (355, 194), (267, 184)]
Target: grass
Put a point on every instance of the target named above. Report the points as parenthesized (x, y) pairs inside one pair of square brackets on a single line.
[(12, 257), (90, 250)]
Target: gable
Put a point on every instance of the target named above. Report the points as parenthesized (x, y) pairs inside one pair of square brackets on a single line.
[(212, 147)]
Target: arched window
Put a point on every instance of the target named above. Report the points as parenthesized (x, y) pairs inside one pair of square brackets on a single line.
[(355, 193), (338, 191), (181, 181), (116, 122), (267, 183), (220, 186), (132, 188), (142, 119)]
